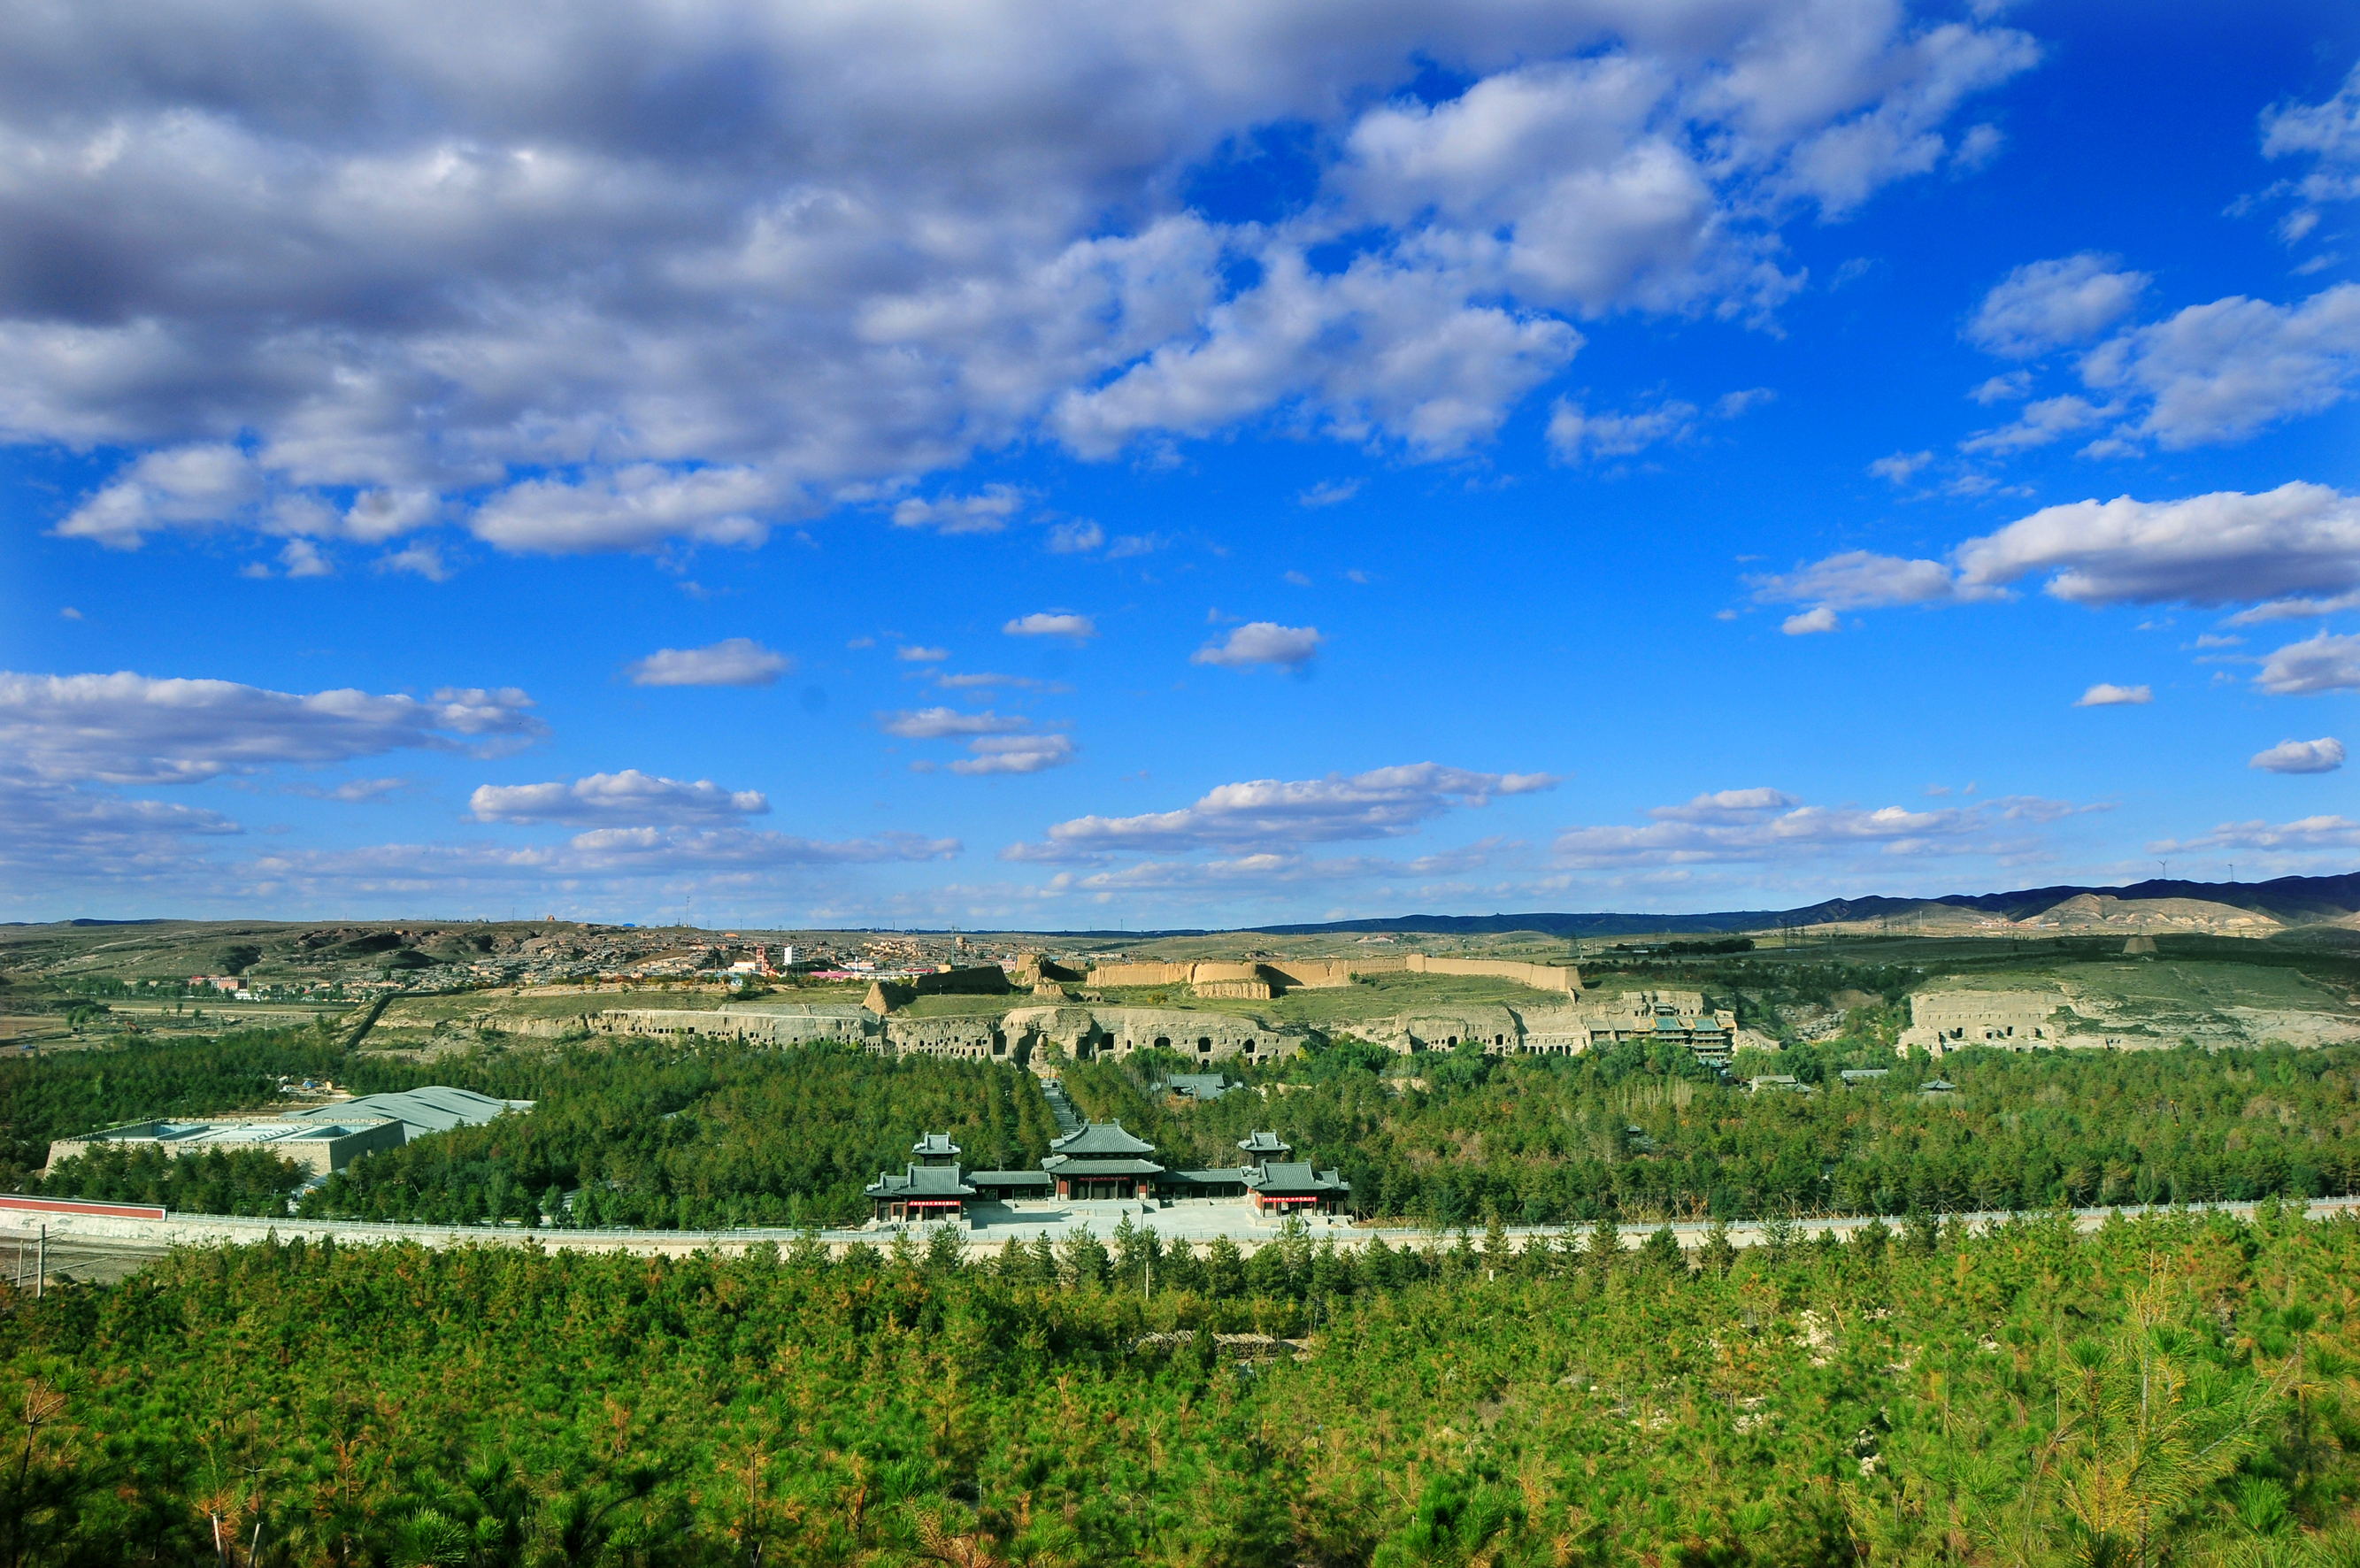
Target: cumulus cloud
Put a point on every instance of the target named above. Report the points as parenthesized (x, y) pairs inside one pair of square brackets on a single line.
[(1381, 803), (2329, 135), (57, 832), (1574, 434), (1858, 578), (680, 274), (1808, 622), (2292, 551), (1328, 492), (128, 728), (2325, 754), (352, 791), (1047, 624), (996, 743), (608, 854), (2041, 422), (2224, 547), (2106, 694), (629, 508), (2320, 832), (732, 661), (629, 797), (1077, 538), (2322, 663), (1740, 826), (2045, 305), (1263, 642), (934, 723), (920, 653), (1015, 754), (2222, 372), (985, 512)]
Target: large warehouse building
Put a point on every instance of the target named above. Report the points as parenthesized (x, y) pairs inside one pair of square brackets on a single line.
[(321, 1138)]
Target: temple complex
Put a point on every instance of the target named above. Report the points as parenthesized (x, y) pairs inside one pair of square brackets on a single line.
[(1102, 1160)]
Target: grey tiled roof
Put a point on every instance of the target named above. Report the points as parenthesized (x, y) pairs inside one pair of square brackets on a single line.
[(921, 1182), (1264, 1143), (1057, 1166), (1100, 1139), (1292, 1176)]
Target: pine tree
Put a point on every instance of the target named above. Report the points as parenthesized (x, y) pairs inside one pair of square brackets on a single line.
[(1718, 1255), (1605, 1249)]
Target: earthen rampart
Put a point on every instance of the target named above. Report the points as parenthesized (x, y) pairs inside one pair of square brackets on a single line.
[(1327, 973)]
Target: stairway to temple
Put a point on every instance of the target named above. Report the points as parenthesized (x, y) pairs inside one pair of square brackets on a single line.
[(1069, 1119)]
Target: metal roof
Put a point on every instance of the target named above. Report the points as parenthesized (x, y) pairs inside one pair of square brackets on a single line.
[(436, 1107), (1099, 1137)]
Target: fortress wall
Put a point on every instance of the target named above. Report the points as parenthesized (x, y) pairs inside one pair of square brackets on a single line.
[(1540, 976), (1226, 973), (1314, 974), (1140, 975)]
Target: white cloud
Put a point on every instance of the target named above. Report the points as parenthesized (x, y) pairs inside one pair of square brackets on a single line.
[(985, 512), (1574, 434), (1901, 466), (1076, 537), (2322, 663), (996, 743), (2106, 694), (127, 728), (352, 791), (2045, 305), (732, 661), (2222, 372), (1743, 826), (2048, 419), (628, 508), (418, 559), (2013, 386), (1328, 492), (2325, 754), (607, 854), (1047, 624), (2327, 133), (1015, 754), (1856, 579), (630, 798), (1263, 642), (1808, 622), (2219, 549), (1381, 803), (785, 248), (52, 832), (1759, 824), (2320, 832), (920, 653), (934, 723)]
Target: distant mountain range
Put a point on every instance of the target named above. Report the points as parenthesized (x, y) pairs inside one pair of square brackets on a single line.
[(2292, 900)]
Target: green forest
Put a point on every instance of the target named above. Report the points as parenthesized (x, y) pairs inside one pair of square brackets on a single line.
[(703, 1133), (2169, 1390)]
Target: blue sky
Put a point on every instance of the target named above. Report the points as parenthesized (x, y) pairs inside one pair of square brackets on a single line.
[(1047, 467)]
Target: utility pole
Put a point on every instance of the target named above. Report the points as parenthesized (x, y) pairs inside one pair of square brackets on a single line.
[(41, 1275)]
